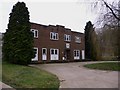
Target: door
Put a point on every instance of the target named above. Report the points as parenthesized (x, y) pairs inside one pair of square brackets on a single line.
[(83, 54), (44, 54), (54, 54), (36, 54), (67, 54)]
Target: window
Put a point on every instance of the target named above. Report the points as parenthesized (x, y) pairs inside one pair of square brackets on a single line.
[(35, 33), (53, 36), (67, 37), (36, 54), (44, 53), (76, 54), (54, 54), (67, 45), (77, 39)]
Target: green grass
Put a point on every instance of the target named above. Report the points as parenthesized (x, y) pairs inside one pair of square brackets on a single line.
[(19, 76), (113, 66)]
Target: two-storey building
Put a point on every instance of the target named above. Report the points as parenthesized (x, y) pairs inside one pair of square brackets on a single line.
[(57, 43)]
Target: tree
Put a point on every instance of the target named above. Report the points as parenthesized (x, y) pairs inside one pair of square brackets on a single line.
[(18, 39), (95, 48), (110, 17), (88, 29), (108, 43), (111, 27)]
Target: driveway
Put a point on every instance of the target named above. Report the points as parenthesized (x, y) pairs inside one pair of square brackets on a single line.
[(4, 86), (74, 75)]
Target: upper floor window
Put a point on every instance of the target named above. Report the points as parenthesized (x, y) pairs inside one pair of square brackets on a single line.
[(67, 37), (77, 39), (53, 36), (35, 33)]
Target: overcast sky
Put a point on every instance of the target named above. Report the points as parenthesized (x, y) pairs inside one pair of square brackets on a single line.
[(72, 14)]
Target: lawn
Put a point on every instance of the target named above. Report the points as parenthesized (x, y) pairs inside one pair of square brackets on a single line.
[(19, 76), (113, 66), (0, 70)]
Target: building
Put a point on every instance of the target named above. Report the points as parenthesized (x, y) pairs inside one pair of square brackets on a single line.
[(57, 44)]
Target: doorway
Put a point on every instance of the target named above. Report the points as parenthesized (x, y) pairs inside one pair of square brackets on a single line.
[(67, 55)]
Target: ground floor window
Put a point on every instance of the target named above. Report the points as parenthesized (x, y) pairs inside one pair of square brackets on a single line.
[(36, 54), (76, 54), (44, 53), (54, 54)]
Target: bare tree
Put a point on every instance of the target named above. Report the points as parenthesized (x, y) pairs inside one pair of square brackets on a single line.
[(109, 12), (108, 22), (110, 19)]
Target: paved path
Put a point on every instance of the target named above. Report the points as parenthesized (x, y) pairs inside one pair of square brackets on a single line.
[(4, 86), (74, 75)]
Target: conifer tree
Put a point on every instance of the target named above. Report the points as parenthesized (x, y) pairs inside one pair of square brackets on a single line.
[(88, 30), (18, 39)]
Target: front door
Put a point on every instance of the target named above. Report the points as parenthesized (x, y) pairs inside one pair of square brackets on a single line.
[(67, 54), (44, 54)]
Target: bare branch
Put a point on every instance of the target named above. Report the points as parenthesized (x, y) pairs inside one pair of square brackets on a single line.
[(111, 10)]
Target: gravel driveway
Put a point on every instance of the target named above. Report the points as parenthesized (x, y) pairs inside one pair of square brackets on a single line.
[(74, 75)]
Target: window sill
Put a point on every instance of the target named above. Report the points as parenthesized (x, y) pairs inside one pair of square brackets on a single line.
[(54, 39), (67, 41)]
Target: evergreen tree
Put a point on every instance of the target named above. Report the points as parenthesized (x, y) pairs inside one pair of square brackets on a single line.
[(88, 30), (18, 39)]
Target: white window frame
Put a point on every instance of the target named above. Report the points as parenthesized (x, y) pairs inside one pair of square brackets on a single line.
[(77, 39), (67, 37), (67, 45), (54, 56), (35, 33), (54, 36), (76, 54), (35, 58)]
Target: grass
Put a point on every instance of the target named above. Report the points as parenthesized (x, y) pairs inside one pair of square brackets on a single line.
[(0, 70), (19, 76), (112, 66)]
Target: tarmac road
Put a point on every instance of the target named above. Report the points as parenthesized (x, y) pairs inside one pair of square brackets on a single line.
[(74, 75)]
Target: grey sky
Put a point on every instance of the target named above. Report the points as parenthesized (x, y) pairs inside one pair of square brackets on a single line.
[(69, 13)]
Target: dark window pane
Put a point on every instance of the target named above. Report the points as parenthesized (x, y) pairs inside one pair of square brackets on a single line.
[(52, 51), (55, 51), (44, 51), (51, 35), (54, 36), (36, 33), (65, 37), (77, 53), (74, 53), (69, 37)]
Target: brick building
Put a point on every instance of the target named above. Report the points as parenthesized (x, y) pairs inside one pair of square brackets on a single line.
[(57, 43)]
